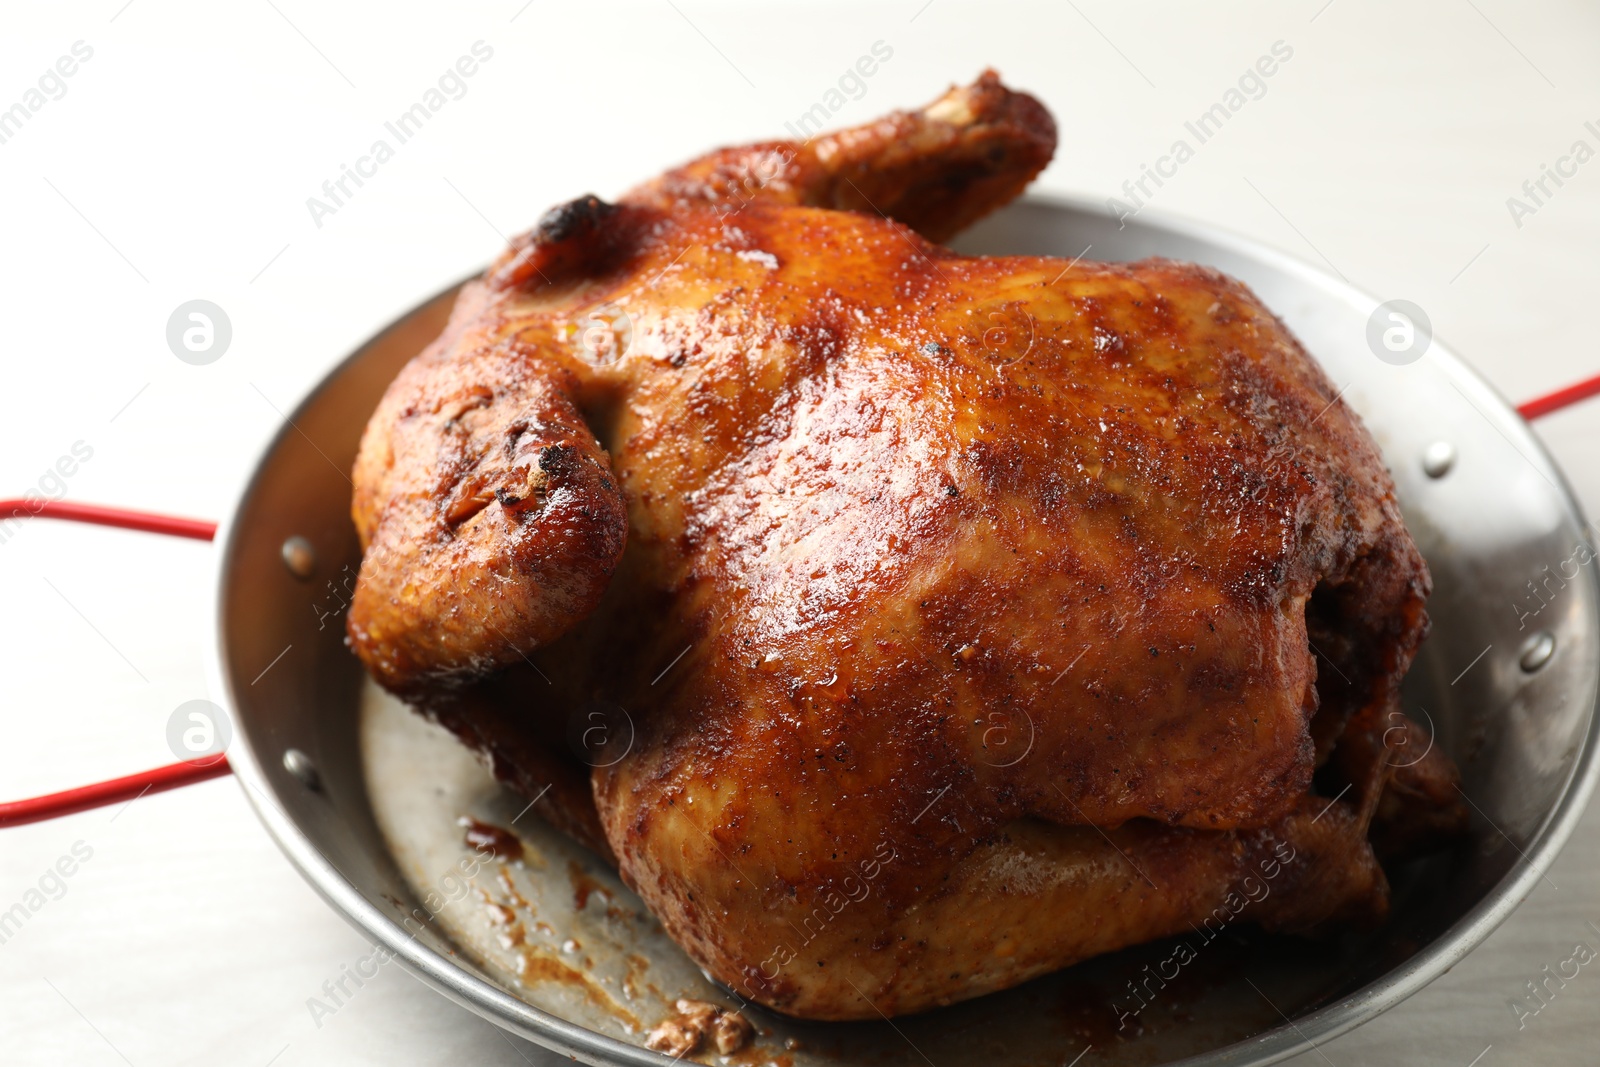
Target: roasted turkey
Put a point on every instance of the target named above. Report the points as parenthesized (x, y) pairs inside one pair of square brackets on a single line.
[(902, 624)]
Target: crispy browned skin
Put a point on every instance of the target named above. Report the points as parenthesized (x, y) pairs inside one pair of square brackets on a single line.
[(911, 930), (488, 511), (988, 142), (927, 556)]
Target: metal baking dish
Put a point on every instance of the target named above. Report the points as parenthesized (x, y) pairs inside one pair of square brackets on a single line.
[(365, 798)]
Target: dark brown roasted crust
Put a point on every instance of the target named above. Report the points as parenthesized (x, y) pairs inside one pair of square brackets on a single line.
[(934, 564), (990, 142), (519, 728)]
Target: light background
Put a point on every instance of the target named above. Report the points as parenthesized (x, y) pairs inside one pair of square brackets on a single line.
[(177, 166)]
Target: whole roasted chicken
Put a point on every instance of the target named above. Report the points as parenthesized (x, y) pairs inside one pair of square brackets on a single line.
[(902, 624)]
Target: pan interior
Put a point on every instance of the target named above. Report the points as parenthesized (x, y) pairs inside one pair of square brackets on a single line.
[(552, 942)]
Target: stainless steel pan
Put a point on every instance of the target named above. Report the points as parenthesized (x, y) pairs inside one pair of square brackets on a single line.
[(365, 799)]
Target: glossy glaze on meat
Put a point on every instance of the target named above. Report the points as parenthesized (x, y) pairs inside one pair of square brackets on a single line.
[(961, 610)]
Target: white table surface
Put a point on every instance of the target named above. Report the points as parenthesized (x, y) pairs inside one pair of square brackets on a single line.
[(177, 165)]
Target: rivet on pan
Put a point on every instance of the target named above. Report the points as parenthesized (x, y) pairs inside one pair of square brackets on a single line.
[(1438, 459), (1536, 651), (299, 557), (299, 764)]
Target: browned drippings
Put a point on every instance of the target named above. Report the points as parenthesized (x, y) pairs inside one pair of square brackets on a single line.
[(538, 967), (699, 1023), (584, 884), (509, 884), (496, 841), (636, 966), (1090, 1015)]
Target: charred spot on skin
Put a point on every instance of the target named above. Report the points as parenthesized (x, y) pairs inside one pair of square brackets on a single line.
[(567, 238), (557, 460), (515, 491), (564, 221)]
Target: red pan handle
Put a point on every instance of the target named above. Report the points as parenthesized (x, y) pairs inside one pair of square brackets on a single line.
[(96, 515), (1561, 398), (36, 809), (133, 786)]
